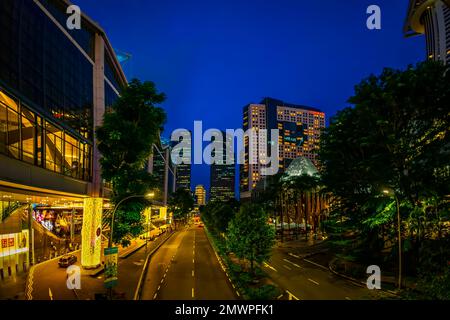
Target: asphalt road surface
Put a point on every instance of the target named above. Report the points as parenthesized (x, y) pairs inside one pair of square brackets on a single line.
[(48, 281), (186, 268), (304, 279)]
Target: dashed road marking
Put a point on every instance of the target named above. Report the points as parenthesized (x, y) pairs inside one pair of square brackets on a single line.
[(192, 272), (315, 282), (289, 268), (154, 296), (316, 264), (291, 295), (294, 264), (347, 298), (269, 266), (294, 255), (193, 295)]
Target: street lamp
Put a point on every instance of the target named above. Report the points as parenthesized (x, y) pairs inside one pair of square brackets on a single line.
[(387, 192), (149, 195)]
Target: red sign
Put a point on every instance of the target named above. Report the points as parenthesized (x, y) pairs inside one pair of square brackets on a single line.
[(9, 242)]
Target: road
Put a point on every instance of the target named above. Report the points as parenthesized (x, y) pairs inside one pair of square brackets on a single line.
[(48, 281), (186, 268), (304, 279)]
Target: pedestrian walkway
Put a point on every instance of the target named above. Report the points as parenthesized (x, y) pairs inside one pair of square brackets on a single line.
[(13, 288)]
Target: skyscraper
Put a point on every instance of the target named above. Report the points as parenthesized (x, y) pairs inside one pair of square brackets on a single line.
[(183, 170), (183, 176), (162, 168), (222, 175), (299, 132), (432, 18), (200, 195)]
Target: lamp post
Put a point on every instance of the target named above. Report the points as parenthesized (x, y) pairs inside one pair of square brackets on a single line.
[(397, 204), (148, 195), (110, 241)]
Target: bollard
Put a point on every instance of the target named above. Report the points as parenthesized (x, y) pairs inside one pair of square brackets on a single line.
[(9, 271), (17, 268), (24, 266), (1, 274)]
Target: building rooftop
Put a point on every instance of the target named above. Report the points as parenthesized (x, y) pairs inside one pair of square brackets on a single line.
[(277, 102), (299, 167)]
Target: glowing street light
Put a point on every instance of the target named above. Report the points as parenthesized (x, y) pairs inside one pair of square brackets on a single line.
[(149, 195)]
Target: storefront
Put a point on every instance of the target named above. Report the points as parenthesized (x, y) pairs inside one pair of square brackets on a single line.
[(14, 253)]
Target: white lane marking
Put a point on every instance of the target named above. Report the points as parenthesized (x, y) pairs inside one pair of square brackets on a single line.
[(294, 264), (287, 267), (192, 272), (159, 287), (154, 297), (315, 282), (193, 293), (291, 295), (347, 298), (162, 280), (269, 266), (294, 255), (316, 264)]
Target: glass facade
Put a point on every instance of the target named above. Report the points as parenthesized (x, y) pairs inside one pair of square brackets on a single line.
[(40, 62), (26, 136), (110, 73), (84, 37), (110, 97)]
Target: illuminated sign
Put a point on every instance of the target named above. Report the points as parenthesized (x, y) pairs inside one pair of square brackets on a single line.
[(13, 243)]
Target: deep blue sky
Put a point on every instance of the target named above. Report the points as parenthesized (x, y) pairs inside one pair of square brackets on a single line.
[(213, 57)]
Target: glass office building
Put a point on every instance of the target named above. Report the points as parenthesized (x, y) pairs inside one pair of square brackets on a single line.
[(55, 86)]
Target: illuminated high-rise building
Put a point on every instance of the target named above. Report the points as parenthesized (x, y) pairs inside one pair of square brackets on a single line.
[(200, 195), (299, 132), (432, 18), (183, 170), (222, 174)]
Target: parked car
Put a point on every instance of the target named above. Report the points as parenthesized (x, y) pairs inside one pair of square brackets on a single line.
[(67, 260)]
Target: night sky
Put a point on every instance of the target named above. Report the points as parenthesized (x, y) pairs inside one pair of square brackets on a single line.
[(213, 57)]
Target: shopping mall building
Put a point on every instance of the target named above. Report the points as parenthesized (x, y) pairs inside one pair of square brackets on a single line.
[(55, 85)]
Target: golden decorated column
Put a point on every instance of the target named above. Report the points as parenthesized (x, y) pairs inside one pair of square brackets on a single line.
[(91, 234)]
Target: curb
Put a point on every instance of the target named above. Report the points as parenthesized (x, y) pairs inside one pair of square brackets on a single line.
[(137, 293), (127, 254), (29, 281), (356, 281), (222, 264), (353, 280)]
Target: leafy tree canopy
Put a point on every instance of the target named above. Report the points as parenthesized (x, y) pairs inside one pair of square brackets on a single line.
[(125, 140)]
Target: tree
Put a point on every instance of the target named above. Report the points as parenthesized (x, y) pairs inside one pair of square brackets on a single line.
[(181, 203), (250, 236), (125, 141), (394, 137), (217, 214)]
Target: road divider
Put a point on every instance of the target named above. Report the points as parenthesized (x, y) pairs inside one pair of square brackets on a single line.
[(137, 294)]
